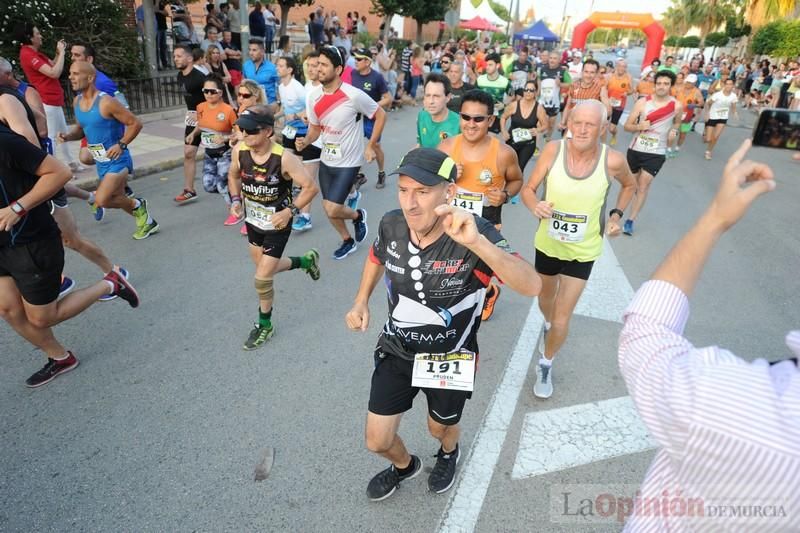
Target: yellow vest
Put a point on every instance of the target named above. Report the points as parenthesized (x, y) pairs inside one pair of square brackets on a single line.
[(575, 231)]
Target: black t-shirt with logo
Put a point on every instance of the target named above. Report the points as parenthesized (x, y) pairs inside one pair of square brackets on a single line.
[(192, 84), (19, 160), (435, 294), (455, 100)]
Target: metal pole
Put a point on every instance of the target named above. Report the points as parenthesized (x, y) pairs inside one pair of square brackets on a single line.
[(148, 37), (564, 20), (244, 19)]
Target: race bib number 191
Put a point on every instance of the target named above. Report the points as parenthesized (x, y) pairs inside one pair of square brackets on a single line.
[(452, 371)]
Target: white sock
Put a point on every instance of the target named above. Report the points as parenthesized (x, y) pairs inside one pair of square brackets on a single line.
[(91, 197), (136, 203), (111, 286), (65, 356), (545, 361), (547, 326)]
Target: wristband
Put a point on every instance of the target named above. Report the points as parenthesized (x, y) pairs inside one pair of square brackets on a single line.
[(616, 211), (18, 209), (236, 198)]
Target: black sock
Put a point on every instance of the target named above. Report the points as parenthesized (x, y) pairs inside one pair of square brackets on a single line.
[(441, 451), (295, 263), (349, 240), (407, 470), (359, 216)]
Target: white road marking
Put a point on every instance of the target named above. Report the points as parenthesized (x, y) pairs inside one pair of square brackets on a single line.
[(607, 293), (578, 435)]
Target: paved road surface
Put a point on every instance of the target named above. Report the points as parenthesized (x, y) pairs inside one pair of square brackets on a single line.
[(161, 426)]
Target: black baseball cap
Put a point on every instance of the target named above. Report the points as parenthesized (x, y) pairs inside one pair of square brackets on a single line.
[(361, 53), (253, 119), (427, 166)]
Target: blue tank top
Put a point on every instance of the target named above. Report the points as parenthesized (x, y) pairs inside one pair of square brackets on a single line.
[(98, 129), (22, 88)]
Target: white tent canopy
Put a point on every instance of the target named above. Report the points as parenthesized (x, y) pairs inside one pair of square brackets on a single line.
[(468, 11)]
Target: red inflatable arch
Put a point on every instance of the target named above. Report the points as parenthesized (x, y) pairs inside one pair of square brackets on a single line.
[(640, 21)]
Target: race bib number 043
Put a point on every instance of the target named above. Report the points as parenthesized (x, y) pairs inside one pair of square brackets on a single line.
[(567, 227), (453, 371)]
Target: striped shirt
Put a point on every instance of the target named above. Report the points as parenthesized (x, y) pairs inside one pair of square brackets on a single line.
[(578, 93), (728, 430)]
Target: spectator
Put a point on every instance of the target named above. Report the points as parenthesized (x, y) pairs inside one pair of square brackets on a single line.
[(727, 428), (284, 48), (163, 11), (343, 41), (316, 29), (212, 17), (258, 27), (43, 74), (362, 25), (199, 59), (212, 37), (233, 57), (235, 23), (271, 21), (259, 68), (216, 67)]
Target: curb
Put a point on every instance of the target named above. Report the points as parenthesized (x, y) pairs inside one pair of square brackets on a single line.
[(91, 183)]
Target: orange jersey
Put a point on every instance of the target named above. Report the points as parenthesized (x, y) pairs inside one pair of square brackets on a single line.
[(646, 88), (219, 119), (479, 176), (618, 89)]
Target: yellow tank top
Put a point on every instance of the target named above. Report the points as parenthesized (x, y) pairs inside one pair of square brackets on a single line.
[(575, 231), (479, 176)]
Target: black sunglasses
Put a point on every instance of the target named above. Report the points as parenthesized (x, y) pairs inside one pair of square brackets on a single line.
[(476, 119), (529, 90), (253, 132), (211, 91), (244, 95)]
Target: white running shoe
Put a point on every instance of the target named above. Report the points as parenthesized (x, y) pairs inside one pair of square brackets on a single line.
[(543, 388)]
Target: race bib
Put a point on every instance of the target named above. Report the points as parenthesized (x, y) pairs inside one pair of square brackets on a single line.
[(521, 135), (332, 151), (289, 132), (647, 143), (616, 102), (720, 114), (452, 371), (191, 118), (98, 152), (704, 85), (211, 139), (547, 93), (471, 201), (259, 215), (567, 227)]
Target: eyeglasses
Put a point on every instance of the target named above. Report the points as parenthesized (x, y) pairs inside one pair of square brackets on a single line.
[(244, 95), (476, 119), (529, 90), (445, 62), (252, 132), (211, 91)]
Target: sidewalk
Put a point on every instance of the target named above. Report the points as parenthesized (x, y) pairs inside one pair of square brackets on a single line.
[(157, 148)]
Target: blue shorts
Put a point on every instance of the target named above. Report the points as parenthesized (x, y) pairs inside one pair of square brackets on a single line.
[(335, 182), (368, 125), (115, 166)]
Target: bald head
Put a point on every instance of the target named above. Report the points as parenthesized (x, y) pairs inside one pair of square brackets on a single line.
[(82, 75)]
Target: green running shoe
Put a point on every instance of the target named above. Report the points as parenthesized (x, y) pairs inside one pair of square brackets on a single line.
[(140, 213), (258, 336), (143, 232), (313, 269)]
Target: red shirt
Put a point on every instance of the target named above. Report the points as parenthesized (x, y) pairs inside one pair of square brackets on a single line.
[(49, 88)]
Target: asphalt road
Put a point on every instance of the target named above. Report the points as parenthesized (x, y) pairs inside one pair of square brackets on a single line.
[(162, 425)]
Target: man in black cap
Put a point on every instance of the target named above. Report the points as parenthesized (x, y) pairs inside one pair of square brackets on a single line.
[(262, 172), (437, 260)]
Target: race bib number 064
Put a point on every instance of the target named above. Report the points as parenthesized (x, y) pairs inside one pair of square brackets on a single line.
[(453, 371)]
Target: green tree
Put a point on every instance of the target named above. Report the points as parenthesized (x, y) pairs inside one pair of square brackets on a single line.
[(690, 41), (717, 39), (286, 5), (500, 10), (767, 38), (735, 27), (100, 23), (671, 41), (761, 12), (424, 11)]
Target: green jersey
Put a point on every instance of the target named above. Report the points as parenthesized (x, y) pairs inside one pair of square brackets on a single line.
[(497, 89), (430, 133)]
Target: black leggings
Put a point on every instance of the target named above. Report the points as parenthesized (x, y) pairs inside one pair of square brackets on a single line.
[(524, 153)]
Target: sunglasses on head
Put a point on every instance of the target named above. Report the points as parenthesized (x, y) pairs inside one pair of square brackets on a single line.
[(253, 131), (211, 91), (244, 95), (476, 119)]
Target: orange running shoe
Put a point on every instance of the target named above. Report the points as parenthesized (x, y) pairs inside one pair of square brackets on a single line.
[(488, 303)]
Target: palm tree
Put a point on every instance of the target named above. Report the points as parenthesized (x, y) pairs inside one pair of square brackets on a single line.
[(760, 12)]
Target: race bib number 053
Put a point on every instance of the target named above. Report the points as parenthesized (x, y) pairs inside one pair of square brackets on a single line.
[(567, 227), (453, 371)]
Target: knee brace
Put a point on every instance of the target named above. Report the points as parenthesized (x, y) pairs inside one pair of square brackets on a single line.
[(264, 289)]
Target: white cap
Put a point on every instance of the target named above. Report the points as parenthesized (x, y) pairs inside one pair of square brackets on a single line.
[(691, 78), (647, 70)]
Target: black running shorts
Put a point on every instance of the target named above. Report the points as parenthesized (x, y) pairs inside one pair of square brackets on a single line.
[(392, 393), (336, 182), (650, 163), (186, 131), (552, 266), (615, 115), (551, 111), (35, 268), (272, 243), (60, 199), (310, 153), (710, 123)]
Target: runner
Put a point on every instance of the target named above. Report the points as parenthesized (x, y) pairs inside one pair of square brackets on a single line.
[(521, 123), (489, 173), (457, 86), (370, 81), (21, 119), (553, 77), (620, 86), (522, 70), (497, 86), (311, 154), (333, 111), (575, 67), (718, 107), (215, 121), (647, 83), (690, 98), (436, 122), (192, 81), (262, 172), (108, 128), (429, 340), (654, 120), (577, 175), (588, 87), (32, 256)]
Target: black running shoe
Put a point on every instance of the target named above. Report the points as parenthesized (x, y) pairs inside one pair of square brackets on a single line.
[(360, 225), (387, 481), (123, 288), (381, 180), (51, 370), (361, 179), (443, 474)]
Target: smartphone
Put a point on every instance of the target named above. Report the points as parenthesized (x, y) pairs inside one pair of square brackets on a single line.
[(778, 128)]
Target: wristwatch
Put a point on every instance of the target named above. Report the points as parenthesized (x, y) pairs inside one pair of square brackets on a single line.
[(122, 145), (508, 196), (18, 209)]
